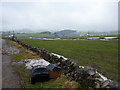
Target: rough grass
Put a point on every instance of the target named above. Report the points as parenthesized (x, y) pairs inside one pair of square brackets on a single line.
[(24, 53), (61, 82), (102, 55)]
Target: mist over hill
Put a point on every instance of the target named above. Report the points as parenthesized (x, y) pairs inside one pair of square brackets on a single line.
[(66, 32), (63, 32)]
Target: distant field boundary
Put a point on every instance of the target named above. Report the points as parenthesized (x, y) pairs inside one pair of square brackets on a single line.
[(85, 75)]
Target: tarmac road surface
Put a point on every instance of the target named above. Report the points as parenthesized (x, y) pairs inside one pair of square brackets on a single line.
[(0, 63), (10, 79)]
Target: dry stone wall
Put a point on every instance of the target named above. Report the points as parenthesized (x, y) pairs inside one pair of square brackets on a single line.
[(85, 75)]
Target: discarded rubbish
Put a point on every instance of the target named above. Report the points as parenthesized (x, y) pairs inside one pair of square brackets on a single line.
[(34, 62), (39, 73), (54, 70), (41, 70)]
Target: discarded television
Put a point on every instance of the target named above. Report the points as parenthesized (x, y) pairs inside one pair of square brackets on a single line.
[(54, 70), (39, 73)]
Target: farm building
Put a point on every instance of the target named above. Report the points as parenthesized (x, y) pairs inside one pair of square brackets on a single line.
[(111, 38)]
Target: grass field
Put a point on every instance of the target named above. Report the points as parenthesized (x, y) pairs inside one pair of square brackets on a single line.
[(102, 55)]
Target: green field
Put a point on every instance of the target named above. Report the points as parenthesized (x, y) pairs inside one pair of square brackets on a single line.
[(102, 55)]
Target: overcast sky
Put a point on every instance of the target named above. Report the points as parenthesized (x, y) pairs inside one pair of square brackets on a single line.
[(95, 15)]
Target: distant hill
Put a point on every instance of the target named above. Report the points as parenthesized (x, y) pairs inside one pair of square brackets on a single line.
[(46, 32), (66, 32)]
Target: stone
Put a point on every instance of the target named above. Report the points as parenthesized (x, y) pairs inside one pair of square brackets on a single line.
[(113, 84), (105, 84), (89, 70)]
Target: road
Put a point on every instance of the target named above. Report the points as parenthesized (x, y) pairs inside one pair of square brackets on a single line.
[(10, 79), (0, 63)]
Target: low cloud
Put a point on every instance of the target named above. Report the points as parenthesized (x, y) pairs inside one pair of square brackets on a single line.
[(60, 15)]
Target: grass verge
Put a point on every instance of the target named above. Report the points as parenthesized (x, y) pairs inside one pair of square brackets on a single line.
[(24, 53), (61, 82)]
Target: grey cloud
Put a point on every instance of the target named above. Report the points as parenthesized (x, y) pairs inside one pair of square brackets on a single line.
[(56, 16)]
